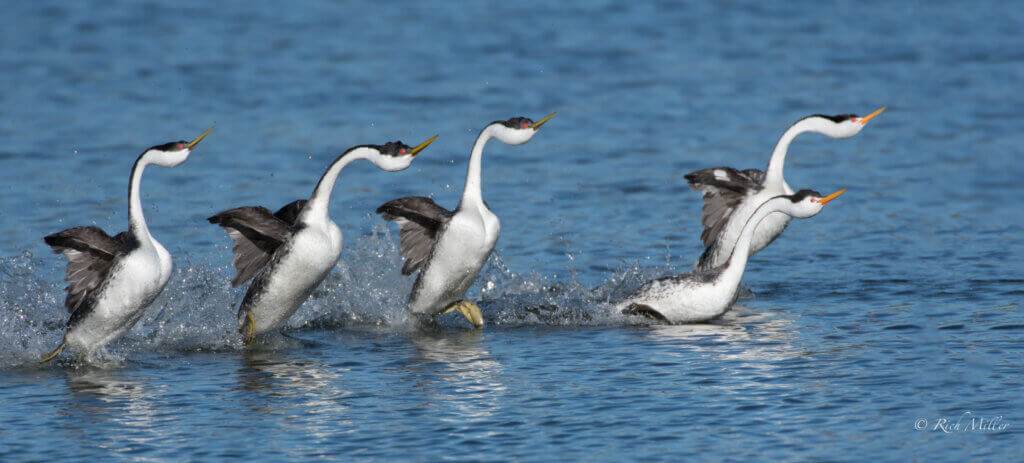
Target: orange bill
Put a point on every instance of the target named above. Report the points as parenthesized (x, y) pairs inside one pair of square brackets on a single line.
[(865, 119), (825, 200)]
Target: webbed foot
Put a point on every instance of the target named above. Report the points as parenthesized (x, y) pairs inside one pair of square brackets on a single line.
[(248, 329), (469, 310), (55, 352)]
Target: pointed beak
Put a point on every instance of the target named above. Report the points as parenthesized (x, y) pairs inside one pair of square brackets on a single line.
[(830, 197), (195, 142), (865, 119), (422, 145), (536, 125)]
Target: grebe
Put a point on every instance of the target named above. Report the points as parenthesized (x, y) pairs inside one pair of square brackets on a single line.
[(730, 195), (291, 251), (113, 279), (449, 248), (702, 295)]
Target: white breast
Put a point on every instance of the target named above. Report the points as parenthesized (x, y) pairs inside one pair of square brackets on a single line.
[(290, 278), (686, 301), (134, 281), (461, 251)]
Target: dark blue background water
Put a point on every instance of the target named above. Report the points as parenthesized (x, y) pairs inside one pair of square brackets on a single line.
[(898, 304)]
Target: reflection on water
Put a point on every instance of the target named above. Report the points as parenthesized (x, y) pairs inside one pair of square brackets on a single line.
[(457, 369), (902, 303), (304, 388), (750, 340), (120, 412)]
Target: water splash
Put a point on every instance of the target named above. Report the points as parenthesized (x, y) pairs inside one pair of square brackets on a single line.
[(197, 309), (31, 310)]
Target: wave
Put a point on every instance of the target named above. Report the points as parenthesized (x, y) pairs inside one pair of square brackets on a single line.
[(196, 311)]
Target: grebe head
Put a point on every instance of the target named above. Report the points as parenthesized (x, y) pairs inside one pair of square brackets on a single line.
[(844, 125), (517, 130), (808, 203), (394, 156), (174, 153)]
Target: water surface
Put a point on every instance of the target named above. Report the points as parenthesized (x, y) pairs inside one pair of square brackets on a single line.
[(899, 303)]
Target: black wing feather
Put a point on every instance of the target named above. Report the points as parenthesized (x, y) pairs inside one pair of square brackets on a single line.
[(91, 253), (419, 220), (290, 213), (257, 234), (724, 189)]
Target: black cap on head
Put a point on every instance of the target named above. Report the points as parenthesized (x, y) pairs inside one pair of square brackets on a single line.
[(516, 122), (802, 194), (392, 148), (171, 146), (837, 119)]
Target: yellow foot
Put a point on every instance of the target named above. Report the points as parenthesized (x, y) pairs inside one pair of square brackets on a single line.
[(469, 310), (55, 352), (248, 329)]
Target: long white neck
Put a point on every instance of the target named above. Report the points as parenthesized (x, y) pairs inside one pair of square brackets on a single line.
[(773, 174), (318, 204), (136, 221), (738, 259), (472, 194)]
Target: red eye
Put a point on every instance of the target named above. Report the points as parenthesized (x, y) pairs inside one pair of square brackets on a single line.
[(180, 146), (402, 151), (525, 125)]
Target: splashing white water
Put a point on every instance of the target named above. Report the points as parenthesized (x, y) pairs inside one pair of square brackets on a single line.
[(197, 310)]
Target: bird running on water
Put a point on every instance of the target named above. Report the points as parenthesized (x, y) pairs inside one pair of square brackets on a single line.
[(113, 279), (731, 195), (449, 248), (702, 295), (289, 252)]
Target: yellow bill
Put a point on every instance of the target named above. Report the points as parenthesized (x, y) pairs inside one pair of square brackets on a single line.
[(536, 125), (422, 145), (195, 142)]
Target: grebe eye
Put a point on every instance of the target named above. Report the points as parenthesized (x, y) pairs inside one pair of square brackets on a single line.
[(180, 146), (525, 125), (401, 151)]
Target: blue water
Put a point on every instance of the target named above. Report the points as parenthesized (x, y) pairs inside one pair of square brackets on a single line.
[(901, 302)]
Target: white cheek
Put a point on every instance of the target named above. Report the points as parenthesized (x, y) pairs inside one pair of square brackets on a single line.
[(525, 135), (392, 164), (173, 159), (512, 136), (806, 209), (852, 128)]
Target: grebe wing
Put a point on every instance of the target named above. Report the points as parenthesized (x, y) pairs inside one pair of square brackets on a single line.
[(724, 189), (290, 212), (257, 234), (90, 252), (419, 220)]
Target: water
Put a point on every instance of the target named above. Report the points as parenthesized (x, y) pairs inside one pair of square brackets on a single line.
[(901, 302)]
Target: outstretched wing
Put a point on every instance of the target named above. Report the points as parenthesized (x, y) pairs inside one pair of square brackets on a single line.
[(257, 234), (290, 213), (90, 252), (419, 220), (724, 189)]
